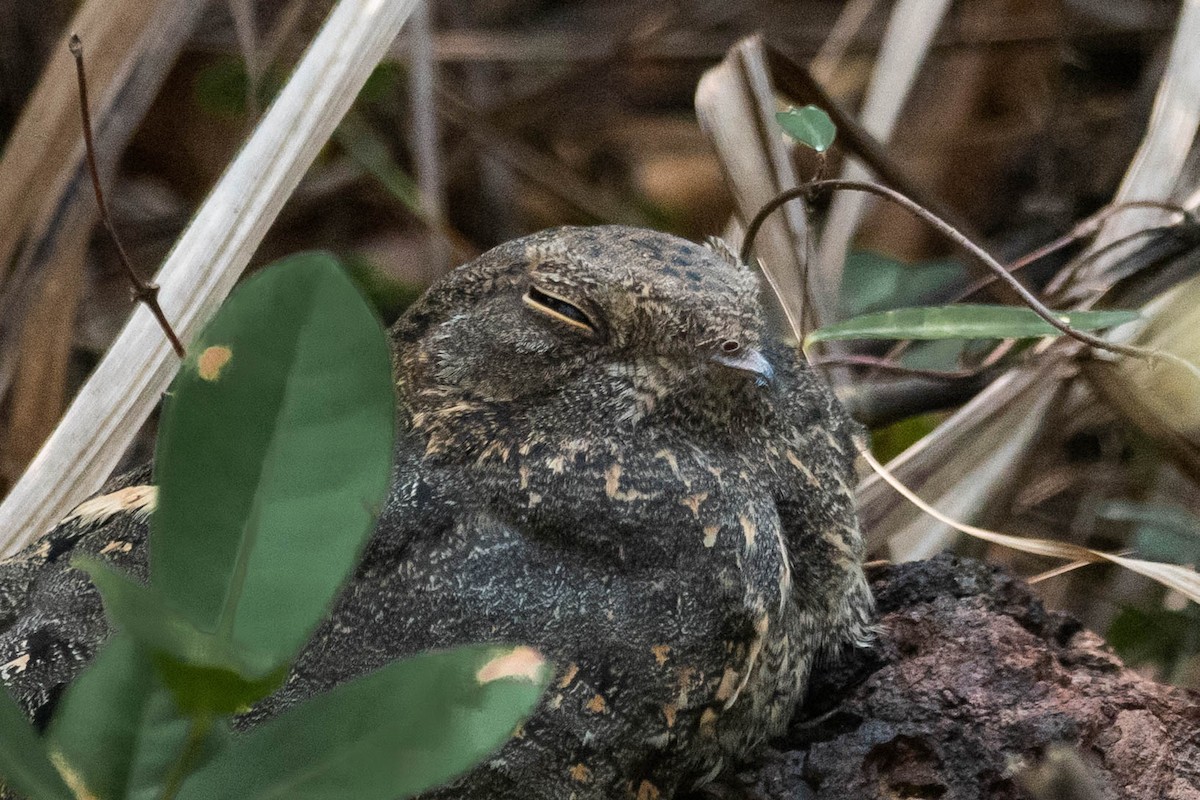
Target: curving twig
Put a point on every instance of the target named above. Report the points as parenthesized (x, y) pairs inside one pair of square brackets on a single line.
[(203, 266), (891, 365), (809, 190)]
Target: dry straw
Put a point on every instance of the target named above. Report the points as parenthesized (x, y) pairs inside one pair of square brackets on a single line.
[(203, 267)]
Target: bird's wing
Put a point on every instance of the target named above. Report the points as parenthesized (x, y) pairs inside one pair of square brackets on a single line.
[(51, 619), (816, 509)]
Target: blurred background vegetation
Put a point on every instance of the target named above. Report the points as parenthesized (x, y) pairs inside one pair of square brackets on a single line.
[(495, 118)]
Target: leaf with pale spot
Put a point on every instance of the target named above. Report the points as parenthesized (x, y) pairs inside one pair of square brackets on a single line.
[(412, 725)]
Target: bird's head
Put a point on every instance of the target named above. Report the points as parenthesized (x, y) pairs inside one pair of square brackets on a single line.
[(617, 323)]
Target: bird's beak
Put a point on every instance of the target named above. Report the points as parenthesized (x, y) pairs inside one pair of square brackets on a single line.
[(749, 361)]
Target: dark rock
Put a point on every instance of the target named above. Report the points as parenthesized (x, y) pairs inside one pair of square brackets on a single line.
[(971, 682)]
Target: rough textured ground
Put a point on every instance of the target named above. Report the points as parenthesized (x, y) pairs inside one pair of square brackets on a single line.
[(971, 681)]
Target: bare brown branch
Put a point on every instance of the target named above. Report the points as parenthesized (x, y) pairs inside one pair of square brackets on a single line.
[(143, 292)]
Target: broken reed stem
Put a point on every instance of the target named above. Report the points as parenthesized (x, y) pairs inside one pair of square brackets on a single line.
[(1089, 226), (812, 188), (143, 292)]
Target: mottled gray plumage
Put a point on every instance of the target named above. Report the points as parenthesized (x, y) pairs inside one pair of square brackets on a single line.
[(598, 468)]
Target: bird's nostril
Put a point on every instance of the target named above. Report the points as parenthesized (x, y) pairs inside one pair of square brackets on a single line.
[(730, 346)]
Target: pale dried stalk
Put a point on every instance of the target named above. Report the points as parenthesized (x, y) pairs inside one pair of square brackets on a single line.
[(1182, 579), (1157, 170), (735, 106), (202, 268), (841, 35), (906, 43), (1169, 136), (960, 450), (425, 133)]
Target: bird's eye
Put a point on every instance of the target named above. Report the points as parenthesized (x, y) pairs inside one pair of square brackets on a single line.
[(559, 309)]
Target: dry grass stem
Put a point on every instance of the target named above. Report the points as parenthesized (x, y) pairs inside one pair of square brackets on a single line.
[(203, 267), (1182, 579)]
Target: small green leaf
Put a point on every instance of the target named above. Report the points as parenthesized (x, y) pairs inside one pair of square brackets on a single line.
[(118, 730), (143, 614), (274, 456), (148, 617), (412, 725), (202, 690), (367, 148), (964, 322), (24, 763), (1159, 636), (874, 282), (809, 125), (206, 673)]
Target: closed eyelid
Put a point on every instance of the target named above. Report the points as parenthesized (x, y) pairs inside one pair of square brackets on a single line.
[(558, 308)]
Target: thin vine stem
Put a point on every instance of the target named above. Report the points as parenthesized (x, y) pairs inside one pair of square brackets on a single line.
[(891, 365), (813, 188), (143, 291)]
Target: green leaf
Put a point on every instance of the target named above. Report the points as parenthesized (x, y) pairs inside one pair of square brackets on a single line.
[(874, 282), (273, 456), (1163, 532), (206, 673), (964, 322), (1159, 636), (117, 729), (809, 125), (410, 726), (367, 148), (24, 762), (144, 614), (205, 690)]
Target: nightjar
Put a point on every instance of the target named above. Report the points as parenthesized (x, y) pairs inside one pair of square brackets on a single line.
[(603, 454)]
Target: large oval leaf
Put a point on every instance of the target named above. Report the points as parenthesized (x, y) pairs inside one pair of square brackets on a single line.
[(410, 726), (964, 322), (273, 456)]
